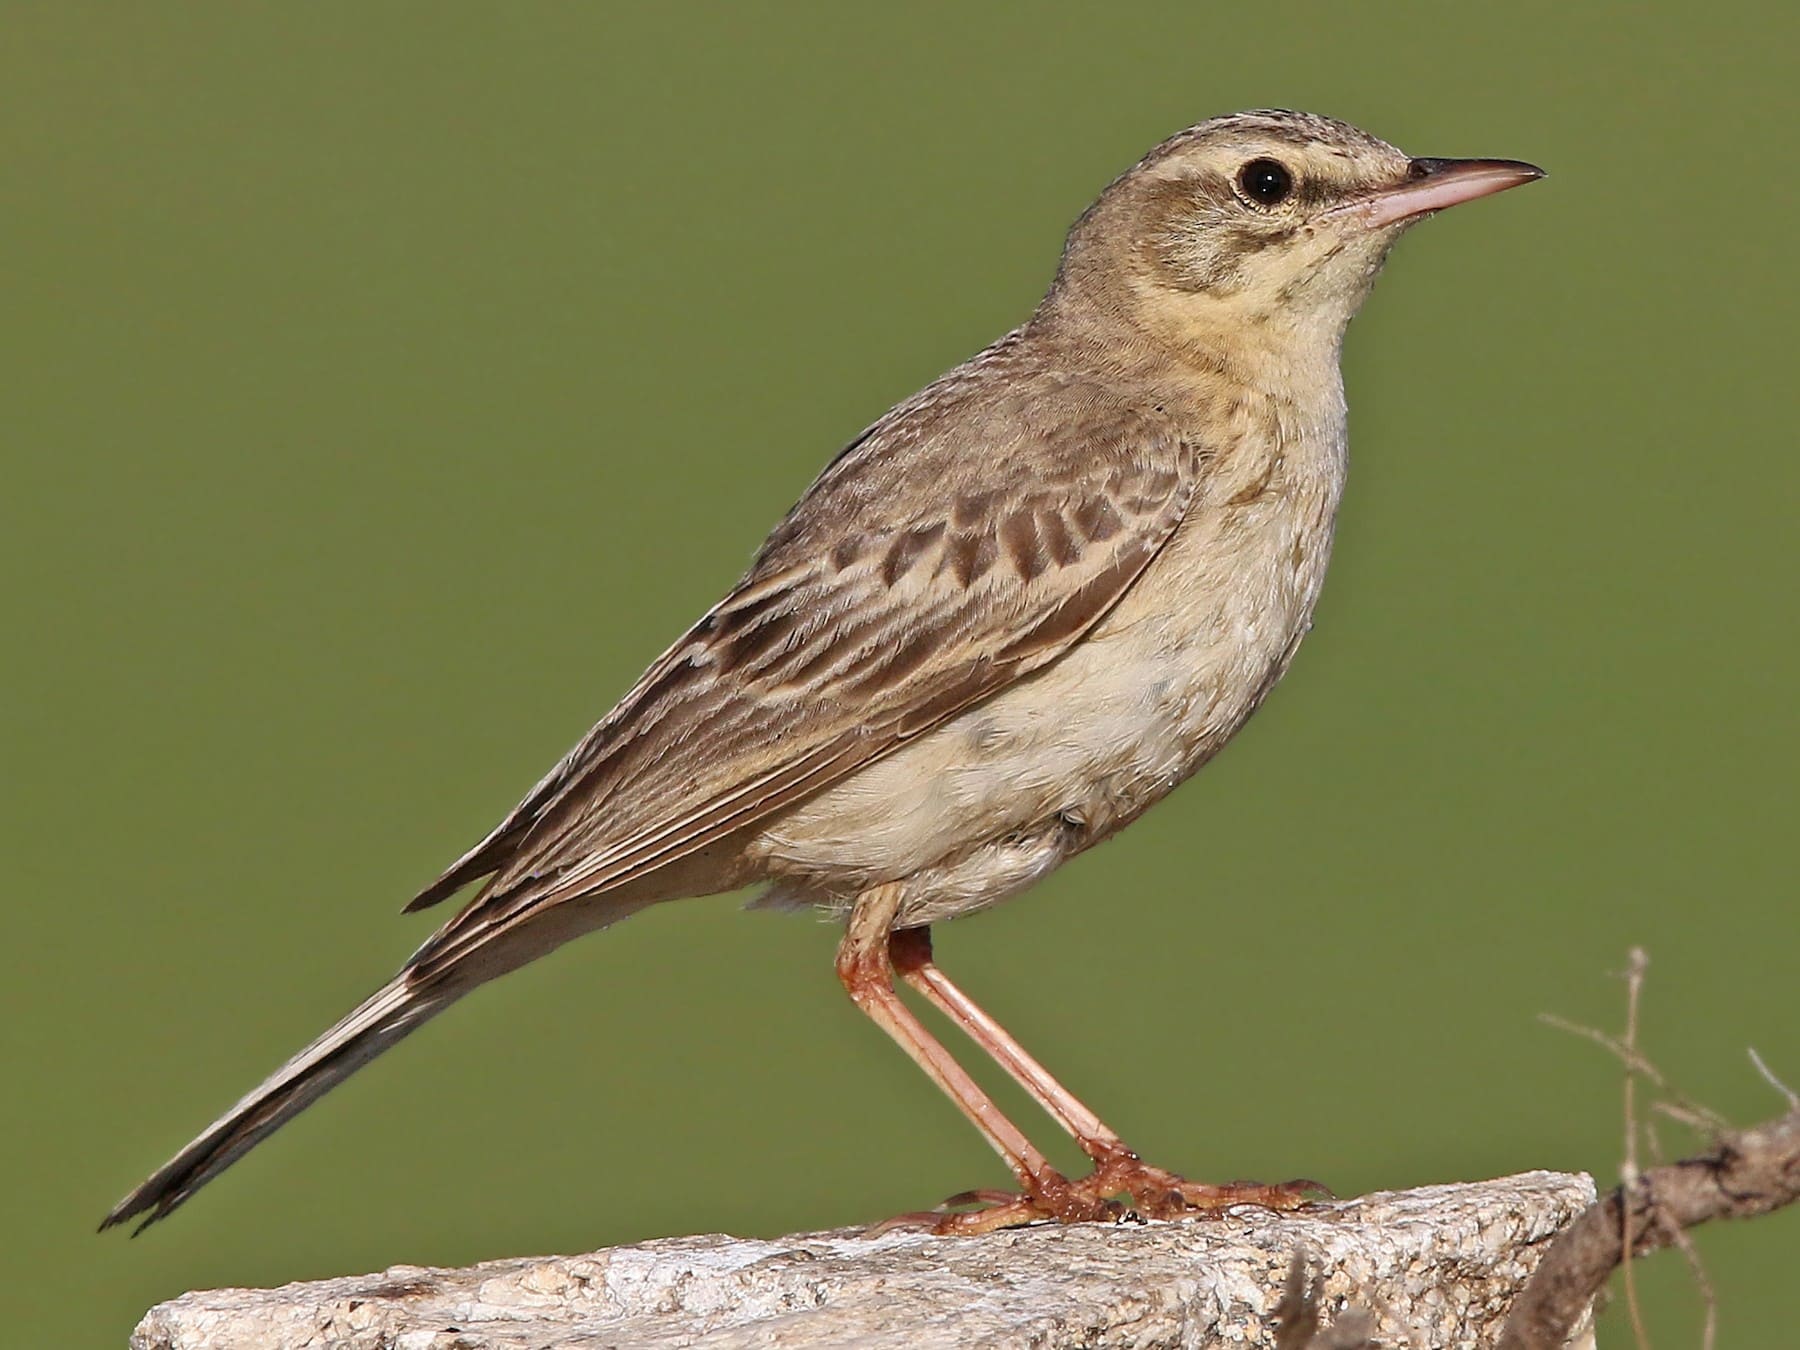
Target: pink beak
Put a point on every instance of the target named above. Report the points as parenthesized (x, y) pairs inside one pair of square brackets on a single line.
[(1437, 183)]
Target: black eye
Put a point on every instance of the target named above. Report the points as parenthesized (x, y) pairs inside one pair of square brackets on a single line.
[(1266, 181)]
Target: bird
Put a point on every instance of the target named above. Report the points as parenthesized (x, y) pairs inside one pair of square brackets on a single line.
[(1004, 621)]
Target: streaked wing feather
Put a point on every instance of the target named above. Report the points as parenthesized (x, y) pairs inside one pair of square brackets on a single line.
[(919, 575), (503, 840)]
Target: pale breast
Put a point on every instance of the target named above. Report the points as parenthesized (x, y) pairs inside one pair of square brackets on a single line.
[(982, 806)]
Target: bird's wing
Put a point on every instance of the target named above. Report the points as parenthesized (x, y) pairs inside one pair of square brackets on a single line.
[(968, 539)]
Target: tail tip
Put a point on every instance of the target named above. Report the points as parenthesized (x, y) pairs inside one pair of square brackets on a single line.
[(153, 1204)]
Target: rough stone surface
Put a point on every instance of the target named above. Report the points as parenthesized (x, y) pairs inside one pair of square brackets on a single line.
[(1436, 1267)]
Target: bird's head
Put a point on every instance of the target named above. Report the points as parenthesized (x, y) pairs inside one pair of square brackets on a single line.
[(1264, 221)]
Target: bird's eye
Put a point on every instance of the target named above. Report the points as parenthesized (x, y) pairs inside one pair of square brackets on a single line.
[(1266, 182)]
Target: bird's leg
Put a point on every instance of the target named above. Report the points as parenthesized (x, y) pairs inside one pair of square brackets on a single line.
[(867, 974), (911, 952), (1118, 1170), (866, 969)]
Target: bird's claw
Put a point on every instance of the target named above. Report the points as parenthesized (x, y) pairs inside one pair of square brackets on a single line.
[(1121, 1187)]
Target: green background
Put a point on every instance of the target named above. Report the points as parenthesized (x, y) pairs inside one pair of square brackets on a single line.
[(385, 384)]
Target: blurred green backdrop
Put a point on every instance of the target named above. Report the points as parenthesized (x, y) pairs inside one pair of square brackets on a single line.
[(386, 384)]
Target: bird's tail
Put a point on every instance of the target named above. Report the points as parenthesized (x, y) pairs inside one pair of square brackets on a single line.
[(379, 1021)]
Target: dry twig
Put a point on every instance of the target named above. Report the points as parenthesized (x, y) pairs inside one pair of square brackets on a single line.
[(1746, 1173), (1299, 1315), (1743, 1174)]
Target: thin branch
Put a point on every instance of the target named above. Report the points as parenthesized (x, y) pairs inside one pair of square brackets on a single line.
[(1709, 1297), (1634, 988), (1743, 1174), (1768, 1074), (1746, 1173), (1678, 1107), (1299, 1318)]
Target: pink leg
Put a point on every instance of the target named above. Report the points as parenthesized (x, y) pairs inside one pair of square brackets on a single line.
[(866, 970), (1153, 1191), (911, 950)]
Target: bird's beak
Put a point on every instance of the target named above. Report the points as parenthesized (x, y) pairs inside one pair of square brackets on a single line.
[(1433, 184)]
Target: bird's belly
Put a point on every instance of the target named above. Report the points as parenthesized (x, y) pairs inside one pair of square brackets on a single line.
[(990, 801)]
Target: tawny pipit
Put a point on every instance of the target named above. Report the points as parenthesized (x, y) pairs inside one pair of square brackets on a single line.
[(1009, 617)]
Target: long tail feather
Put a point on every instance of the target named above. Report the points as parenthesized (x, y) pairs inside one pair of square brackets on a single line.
[(381, 1020)]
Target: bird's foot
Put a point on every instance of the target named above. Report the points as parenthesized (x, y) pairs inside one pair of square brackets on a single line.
[(1157, 1193), (1121, 1186)]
